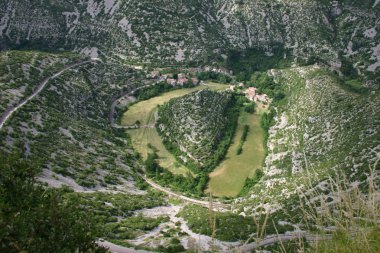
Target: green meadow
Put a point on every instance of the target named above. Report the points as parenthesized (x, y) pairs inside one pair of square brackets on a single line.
[(229, 177)]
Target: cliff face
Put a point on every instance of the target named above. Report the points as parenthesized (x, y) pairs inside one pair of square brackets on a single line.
[(198, 31)]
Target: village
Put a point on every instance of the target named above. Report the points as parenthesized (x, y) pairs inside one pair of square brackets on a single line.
[(182, 79), (250, 93)]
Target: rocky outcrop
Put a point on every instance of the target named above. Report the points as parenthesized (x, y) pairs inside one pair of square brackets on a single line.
[(199, 31)]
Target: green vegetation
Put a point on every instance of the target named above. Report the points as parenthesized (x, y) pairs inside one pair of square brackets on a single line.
[(114, 213), (266, 121), (265, 84), (355, 216), (244, 63), (188, 185), (229, 226), (157, 89), (143, 110), (37, 219), (147, 140), (66, 127), (249, 107), (211, 75), (131, 227), (315, 106), (198, 128), (250, 182), (21, 72), (229, 176), (242, 140)]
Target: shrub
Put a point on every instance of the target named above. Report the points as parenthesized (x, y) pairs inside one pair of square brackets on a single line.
[(36, 219)]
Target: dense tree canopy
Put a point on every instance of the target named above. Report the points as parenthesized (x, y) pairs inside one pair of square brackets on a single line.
[(36, 219)]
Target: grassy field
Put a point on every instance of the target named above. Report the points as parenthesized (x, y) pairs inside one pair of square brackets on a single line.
[(229, 177), (144, 112)]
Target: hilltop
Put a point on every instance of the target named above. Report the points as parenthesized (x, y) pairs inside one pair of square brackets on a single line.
[(198, 127)]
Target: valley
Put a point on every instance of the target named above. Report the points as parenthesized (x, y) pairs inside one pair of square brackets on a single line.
[(144, 112), (229, 126), (228, 178)]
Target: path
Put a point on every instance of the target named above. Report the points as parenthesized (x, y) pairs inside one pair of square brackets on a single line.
[(8, 113), (217, 206), (119, 249), (113, 105), (272, 239)]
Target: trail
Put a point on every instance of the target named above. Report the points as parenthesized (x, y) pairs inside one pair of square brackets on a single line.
[(113, 105), (8, 113), (216, 205), (272, 239), (119, 249), (233, 246)]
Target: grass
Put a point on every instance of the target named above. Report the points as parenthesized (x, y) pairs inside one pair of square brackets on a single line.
[(144, 112), (355, 214), (229, 177), (141, 138)]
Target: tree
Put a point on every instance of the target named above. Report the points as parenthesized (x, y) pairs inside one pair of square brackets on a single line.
[(250, 108), (38, 219)]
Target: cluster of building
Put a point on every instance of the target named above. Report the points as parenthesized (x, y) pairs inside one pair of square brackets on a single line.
[(239, 85), (181, 80), (252, 95)]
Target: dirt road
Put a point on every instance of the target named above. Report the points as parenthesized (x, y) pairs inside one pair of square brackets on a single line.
[(8, 113)]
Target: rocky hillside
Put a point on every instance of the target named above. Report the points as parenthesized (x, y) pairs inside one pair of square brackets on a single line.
[(342, 34), (65, 128), (198, 127), (321, 128)]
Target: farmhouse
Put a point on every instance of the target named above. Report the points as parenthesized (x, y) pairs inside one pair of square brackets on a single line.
[(181, 76), (195, 81), (250, 93), (182, 81), (171, 81)]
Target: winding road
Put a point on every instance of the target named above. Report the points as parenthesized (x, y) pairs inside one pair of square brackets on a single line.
[(8, 113), (247, 247), (114, 103), (216, 205)]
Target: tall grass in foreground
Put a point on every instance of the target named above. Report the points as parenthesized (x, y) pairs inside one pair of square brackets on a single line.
[(349, 210)]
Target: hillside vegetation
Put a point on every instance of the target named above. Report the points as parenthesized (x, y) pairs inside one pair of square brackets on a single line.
[(317, 60), (66, 127), (341, 34), (198, 127)]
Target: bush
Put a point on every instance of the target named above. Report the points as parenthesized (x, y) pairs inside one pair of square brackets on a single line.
[(36, 219), (249, 108)]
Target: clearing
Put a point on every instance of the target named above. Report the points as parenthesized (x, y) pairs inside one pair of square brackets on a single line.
[(229, 177), (144, 112)]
